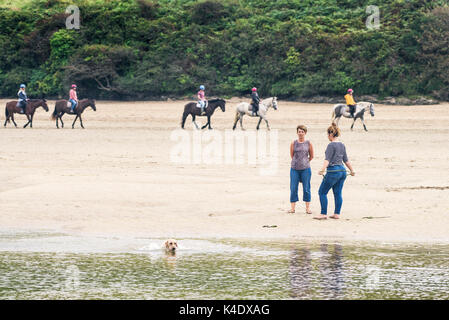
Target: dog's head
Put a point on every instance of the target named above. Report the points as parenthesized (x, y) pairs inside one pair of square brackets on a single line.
[(171, 245)]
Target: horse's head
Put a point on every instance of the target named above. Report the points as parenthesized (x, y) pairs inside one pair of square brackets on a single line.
[(92, 104), (371, 109), (222, 105), (274, 102), (44, 105)]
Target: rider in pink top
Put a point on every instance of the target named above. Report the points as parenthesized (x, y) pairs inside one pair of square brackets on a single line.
[(202, 98), (73, 97)]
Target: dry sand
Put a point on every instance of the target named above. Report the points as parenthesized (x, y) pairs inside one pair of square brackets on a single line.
[(116, 177)]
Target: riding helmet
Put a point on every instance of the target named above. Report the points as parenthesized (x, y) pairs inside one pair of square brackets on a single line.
[(73, 85), (254, 89), (22, 85), (350, 90), (202, 87)]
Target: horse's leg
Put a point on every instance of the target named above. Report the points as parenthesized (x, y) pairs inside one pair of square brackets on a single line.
[(241, 122), (266, 121), (26, 124), (258, 124), (237, 115), (60, 118), (207, 123), (337, 119), (352, 126), (363, 122), (73, 124), (81, 121), (12, 119), (31, 120), (193, 120)]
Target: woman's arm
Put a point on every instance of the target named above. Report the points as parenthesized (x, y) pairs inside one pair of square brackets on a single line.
[(323, 168), (291, 150), (311, 154), (348, 164)]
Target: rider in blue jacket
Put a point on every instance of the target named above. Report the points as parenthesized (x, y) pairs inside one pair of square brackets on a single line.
[(22, 98)]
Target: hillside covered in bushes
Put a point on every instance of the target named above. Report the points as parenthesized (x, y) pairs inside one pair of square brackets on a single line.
[(145, 49)]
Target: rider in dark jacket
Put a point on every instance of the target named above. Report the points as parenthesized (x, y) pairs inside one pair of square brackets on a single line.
[(255, 101), (22, 98)]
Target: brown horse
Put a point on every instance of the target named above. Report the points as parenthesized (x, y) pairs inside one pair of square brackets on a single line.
[(63, 106), (30, 109), (192, 109)]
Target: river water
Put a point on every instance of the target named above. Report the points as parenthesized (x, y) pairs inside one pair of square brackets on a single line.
[(46, 265)]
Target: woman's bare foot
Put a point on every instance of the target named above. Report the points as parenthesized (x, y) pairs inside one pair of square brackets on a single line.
[(321, 217), (335, 216), (308, 211), (291, 211)]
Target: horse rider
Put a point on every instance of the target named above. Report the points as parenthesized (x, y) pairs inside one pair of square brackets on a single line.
[(202, 99), (73, 98), (350, 102), (255, 101), (22, 98)]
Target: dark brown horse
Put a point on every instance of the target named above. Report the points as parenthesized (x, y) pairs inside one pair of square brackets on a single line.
[(192, 109), (63, 106), (30, 109)]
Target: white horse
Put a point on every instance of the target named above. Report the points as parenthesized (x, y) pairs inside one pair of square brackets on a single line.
[(245, 108), (360, 108)]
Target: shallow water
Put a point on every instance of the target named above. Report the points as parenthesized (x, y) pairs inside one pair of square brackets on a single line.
[(44, 265)]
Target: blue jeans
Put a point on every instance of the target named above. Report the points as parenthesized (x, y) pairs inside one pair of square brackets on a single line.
[(334, 180), (73, 102), (297, 176)]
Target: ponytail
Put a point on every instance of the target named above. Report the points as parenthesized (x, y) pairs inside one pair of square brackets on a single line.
[(333, 130)]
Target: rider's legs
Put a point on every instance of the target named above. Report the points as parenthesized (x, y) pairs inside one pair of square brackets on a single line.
[(351, 109), (255, 108), (203, 106), (73, 102), (22, 105)]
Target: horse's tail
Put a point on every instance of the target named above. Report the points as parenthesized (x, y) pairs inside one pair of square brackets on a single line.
[(237, 116), (53, 116), (7, 114), (333, 115), (184, 116)]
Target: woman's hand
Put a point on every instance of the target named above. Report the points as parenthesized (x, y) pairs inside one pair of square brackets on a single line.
[(321, 172), (352, 173)]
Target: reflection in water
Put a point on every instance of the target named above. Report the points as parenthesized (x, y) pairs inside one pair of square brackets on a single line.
[(321, 270)]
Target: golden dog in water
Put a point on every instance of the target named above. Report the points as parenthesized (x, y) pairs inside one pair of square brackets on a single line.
[(171, 245)]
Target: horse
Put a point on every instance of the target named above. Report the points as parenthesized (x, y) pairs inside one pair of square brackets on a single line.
[(244, 108), (191, 109), (30, 109), (63, 106), (343, 110)]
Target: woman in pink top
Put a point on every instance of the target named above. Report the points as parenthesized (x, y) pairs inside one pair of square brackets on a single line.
[(73, 98)]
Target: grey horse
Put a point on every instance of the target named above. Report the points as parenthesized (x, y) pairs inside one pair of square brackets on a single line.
[(343, 110), (245, 108)]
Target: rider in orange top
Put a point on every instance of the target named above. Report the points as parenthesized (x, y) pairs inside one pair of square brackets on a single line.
[(350, 102)]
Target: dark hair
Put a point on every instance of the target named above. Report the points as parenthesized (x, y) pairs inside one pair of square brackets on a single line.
[(333, 130), (302, 127)]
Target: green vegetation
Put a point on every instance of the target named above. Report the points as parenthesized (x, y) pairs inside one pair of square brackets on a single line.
[(140, 49)]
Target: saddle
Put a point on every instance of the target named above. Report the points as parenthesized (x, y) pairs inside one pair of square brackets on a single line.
[(199, 106), (69, 106)]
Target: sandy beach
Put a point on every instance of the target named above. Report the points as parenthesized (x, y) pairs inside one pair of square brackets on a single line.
[(118, 177)]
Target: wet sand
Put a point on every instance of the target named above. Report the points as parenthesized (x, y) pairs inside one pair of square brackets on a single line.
[(117, 177)]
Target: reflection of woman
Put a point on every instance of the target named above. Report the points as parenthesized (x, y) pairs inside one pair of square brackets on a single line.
[(331, 267), (301, 152), (299, 272)]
